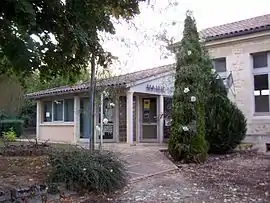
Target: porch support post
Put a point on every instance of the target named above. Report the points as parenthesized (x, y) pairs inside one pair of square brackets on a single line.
[(161, 118), (38, 119), (130, 118), (138, 118), (76, 119)]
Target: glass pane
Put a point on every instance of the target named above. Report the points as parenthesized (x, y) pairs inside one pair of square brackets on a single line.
[(107, 132), (107, 110), (260, 60), (149, 110), (220, 65), (262, 103), (69, 109), (149, 131), (47, 111), (58, 111), (261, 82)]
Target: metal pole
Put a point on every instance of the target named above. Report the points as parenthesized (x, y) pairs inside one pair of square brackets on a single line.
[(92, 103), (101, 120)]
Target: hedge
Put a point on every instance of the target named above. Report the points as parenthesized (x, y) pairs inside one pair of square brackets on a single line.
[(15, 124)]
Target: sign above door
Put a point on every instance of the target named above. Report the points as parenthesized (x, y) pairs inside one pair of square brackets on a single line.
[(155, 88)]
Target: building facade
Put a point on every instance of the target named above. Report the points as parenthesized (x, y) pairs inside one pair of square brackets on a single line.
[(136, 107), (240, 50), (243, 49)]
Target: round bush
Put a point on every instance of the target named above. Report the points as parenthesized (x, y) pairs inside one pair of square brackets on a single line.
[(82, 170), (225, 124)]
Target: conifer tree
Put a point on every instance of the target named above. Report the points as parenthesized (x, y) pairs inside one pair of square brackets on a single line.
[(187, 141)]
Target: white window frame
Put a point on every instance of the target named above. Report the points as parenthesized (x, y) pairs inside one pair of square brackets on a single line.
[(63, 109), (260, 71)]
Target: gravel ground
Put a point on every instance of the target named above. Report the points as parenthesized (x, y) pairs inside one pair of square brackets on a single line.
[(239, 177)]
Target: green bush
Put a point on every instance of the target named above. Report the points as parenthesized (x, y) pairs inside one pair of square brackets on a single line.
[(225, 125), (9, 136), (15, 124), (82, 170)]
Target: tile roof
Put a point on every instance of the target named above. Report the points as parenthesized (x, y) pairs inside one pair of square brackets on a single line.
[(242, 27), (121, 81)]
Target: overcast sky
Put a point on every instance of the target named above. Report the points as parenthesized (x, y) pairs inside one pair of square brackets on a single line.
[(142, 52)]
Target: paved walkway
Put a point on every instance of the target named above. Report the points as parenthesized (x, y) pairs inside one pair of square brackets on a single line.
[(143, 160)]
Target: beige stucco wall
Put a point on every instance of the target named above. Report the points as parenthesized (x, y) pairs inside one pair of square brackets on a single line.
[(239, 61), (57, 133)]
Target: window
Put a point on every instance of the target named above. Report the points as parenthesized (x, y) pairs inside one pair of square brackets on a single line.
[(107, 110), (69, 110), (261, 73), (61, 110), (261, 93), (260, 60), (47, 111), (57, 110), (220, 65)]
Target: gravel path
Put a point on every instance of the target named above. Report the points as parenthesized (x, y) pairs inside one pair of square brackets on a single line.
[(234, 178)]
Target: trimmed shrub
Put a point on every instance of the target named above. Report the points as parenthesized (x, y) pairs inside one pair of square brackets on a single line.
[(82, 170), (15, 124), (225, 125)]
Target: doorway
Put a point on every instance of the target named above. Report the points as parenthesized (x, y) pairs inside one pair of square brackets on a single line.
[(149, 119)]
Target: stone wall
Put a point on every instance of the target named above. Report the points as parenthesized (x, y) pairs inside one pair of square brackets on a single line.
[(239, 62)]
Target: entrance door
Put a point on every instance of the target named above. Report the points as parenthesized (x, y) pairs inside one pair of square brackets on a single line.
[(149, 119)]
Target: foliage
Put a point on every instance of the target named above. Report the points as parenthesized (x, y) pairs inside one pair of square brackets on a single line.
[(9, 136), (57, 37), (225, 123), (84, 171), (187, 141), (11, 96), (15, 124)]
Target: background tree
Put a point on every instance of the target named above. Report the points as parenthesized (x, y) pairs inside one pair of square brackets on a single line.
[(57, 37), (187, 141)]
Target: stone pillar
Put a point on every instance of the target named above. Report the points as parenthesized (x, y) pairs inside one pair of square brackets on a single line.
[(130, 118), (38, 119), (161, 118), (76, 119)]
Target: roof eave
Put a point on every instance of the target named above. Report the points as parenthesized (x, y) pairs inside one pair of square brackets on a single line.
[(34, 96), (238, 33)]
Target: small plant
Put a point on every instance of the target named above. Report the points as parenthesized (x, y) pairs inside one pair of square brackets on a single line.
[(9, 136), (84, 171)]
